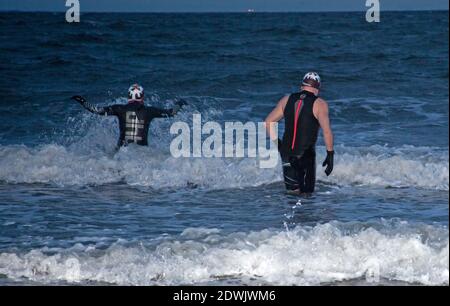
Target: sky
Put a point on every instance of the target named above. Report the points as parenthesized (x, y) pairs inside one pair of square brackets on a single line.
[(220, 5)]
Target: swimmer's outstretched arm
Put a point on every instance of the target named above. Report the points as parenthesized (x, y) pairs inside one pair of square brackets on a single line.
[(164, 113), (107, 111)]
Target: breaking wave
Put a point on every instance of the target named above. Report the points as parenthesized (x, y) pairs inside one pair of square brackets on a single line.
[(85, 155), (57, 164), (328, 253)]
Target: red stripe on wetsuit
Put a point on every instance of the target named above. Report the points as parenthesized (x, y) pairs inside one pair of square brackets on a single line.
[(300, 102)]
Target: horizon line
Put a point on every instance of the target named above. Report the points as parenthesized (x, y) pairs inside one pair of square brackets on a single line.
[(221, 12)]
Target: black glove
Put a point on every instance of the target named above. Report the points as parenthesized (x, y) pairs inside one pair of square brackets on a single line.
[(329, 162), (79, 99), (178, 105), (181, 103)]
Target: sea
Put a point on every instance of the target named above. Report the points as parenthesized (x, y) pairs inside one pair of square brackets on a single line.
[(74, 211)]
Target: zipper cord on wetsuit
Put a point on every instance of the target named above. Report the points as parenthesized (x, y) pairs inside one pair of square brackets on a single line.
[(296, 123)]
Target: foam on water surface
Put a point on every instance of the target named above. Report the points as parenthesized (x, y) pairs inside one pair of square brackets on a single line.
[(56, 164), (328, 253)]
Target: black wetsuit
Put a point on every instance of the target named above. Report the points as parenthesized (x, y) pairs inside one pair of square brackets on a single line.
[(134, 119), (298, 145)]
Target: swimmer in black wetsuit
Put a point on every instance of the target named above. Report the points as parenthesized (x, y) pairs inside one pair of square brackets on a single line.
[(134, 117), (304, 114)]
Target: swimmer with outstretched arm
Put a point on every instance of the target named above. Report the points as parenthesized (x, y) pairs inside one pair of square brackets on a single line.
[(134, 117)]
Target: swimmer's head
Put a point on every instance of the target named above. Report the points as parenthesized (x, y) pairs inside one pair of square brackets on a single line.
[(136, 93), (312, 79)]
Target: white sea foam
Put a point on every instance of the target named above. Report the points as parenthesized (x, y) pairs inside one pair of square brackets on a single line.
[(326, 253), (89, 159), (56, 164), (407, 166)]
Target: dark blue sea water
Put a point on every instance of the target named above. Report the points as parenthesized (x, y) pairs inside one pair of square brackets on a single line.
[(73, 212)]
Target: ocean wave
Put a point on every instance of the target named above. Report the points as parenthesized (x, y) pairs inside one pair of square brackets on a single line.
[(118, 25), (407, 166), (55, 61), (85, 163), (86, 156), (133, 165), (325, 254), (51, 44), (87, 37), (284, 31)]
